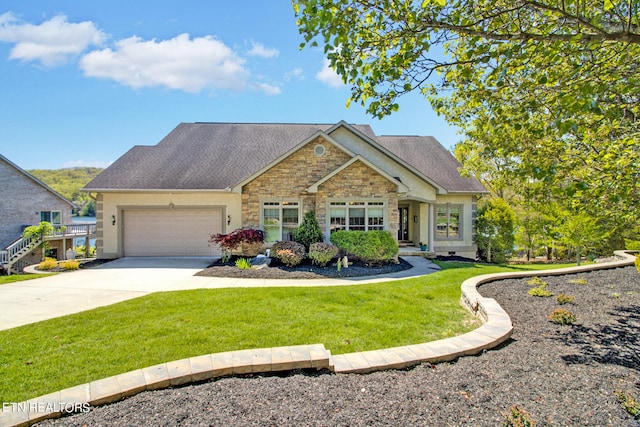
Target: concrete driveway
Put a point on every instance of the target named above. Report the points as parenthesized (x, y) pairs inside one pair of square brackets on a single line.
[(66, 293)]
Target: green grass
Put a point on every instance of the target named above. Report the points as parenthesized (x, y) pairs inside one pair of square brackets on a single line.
[(20, 277), (51, 355)]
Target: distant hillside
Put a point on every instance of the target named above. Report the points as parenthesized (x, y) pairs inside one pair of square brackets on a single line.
[(68, 182)]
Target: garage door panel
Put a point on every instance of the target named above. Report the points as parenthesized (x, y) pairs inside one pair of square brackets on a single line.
[(170, 232)]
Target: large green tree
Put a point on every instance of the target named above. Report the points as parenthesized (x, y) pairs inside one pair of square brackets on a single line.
[(544, 91)]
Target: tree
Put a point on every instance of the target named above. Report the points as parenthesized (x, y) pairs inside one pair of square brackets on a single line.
[(581, 232), (309, 231), (38, 232), (495, 230), (544, 91)]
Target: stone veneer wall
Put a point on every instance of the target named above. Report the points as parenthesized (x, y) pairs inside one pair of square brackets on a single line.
[(359, 181), (290, 178)]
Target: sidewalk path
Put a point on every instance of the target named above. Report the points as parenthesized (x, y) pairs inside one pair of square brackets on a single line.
[(44, 298)]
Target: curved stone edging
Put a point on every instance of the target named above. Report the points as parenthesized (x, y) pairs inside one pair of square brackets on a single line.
[(496, 329)]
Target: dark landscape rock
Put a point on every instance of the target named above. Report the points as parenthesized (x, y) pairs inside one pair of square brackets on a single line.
[(560, 375)]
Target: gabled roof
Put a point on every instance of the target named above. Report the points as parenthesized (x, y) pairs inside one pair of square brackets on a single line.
[(358, 158), (221, 156), (36, 181), (204, 156), (429, 157)]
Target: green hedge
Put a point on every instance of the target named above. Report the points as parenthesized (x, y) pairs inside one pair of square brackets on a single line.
[(367, 246)]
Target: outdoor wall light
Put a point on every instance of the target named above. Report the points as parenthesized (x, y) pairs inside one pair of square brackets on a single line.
[(113, 220), (415, 218), (228, 219)]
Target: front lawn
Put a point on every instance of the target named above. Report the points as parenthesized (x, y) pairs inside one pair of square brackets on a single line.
[(20, 277), (51, 355)]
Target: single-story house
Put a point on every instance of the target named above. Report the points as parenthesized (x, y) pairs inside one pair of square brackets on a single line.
[(24, 201), (208, 178)]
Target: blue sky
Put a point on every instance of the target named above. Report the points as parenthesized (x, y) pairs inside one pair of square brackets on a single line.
[(84, 81)]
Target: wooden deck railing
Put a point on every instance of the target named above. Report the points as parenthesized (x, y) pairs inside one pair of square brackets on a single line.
[(23, 246)]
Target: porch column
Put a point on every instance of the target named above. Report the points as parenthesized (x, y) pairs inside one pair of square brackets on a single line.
[(430, 228)]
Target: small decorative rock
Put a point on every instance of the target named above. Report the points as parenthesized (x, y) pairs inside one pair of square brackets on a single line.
[(261, 261)]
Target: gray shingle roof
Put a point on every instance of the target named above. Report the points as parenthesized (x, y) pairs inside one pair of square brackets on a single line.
[(217, 156), (429, 157)]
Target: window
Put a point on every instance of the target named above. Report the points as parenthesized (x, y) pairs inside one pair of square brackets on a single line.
[(354, 215), (280, 220), (448, 222), (52, 217)]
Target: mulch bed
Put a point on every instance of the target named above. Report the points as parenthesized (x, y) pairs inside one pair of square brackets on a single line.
[(305, 270), (560, 375)]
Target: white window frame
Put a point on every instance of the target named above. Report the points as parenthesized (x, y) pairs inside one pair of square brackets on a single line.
[(280, 205), (448, 207), (59, 222), (366, 204)]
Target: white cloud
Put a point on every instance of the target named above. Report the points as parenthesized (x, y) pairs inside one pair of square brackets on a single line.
[(260, 50), (294, 74), (328, 76), (179, 63), (52, 42), (267, 88)]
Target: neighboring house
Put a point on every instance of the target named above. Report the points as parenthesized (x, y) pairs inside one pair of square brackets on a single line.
[(207, 178), (24, 201)]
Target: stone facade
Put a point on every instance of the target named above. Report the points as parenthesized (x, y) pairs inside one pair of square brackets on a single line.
[(22, 201), (290, 178), (359, 181)]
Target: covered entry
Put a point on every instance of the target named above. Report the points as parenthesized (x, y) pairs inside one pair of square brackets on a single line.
[(170, 232)]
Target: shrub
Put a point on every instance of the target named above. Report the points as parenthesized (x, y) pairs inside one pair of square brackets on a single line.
[(560, 316), (540, 291), (229, 242), (70, 264), (628, 403), (309, 231), (243, 263), (638, 262), (565, 299), (368, 246), (518, 417), (289, 257), (579, 281), (321, 253), (289, 253), (48, 264), (536, 281)]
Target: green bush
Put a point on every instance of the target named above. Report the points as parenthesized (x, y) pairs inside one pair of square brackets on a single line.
[(70, 265), (243, 263), (536, 281), (561, 316), (565, 299), (321, 253), (518, 417), (289, 253), (628, 403), (370, 247), (309, 231), (48, 264), (540, 291)]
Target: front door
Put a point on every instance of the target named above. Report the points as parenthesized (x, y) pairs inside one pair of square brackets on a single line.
[(403, 231)]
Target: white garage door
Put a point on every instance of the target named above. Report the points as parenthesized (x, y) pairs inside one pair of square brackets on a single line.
[(170, 232)]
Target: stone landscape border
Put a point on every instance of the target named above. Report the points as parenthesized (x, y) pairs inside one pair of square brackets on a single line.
[(496, 329)]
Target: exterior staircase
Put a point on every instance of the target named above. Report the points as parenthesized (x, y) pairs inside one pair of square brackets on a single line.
[(12, 255)]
